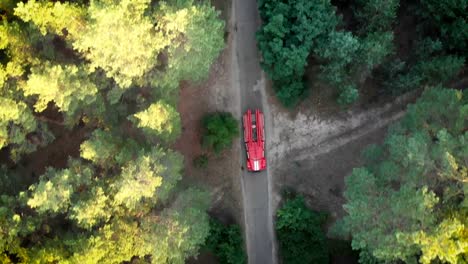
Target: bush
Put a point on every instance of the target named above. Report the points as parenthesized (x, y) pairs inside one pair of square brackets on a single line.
[(220, 130), (300, 235), (201, 161), (225, 242), (348, 95)]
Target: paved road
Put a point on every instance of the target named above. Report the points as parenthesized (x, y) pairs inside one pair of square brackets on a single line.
[(258, 223)]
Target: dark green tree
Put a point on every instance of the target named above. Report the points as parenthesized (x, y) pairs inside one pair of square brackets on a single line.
[(450, 18), (300, 233), (376, 15), (226, 243), (288, 35)]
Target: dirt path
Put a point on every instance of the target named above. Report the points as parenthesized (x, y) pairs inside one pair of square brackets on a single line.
[(247, 77)]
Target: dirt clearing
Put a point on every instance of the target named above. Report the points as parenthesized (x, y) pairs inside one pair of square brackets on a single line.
[(312, 152)]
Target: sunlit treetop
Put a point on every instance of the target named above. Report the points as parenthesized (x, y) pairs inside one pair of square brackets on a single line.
[(159, 119), (67, 86), (16, 121), (120, 39), (53, 17), (196, 39)]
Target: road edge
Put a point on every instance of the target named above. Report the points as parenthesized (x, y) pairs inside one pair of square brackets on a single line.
[(271, 204)]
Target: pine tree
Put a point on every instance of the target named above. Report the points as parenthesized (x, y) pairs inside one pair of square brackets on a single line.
[(67, 86), (160, 120), (410, 198)]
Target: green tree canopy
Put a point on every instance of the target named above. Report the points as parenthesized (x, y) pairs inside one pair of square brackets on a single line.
[(106, 149), (160, 119), (450, 18), (225, 242), (300, 235), (376, 15), (411, 197), (66, 86), (107, 209), (289, 33), (53, 17), (100, 62), (16, 121), (196, 39), (120, 39)]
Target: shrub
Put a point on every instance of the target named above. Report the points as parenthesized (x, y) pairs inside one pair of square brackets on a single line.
[(300, 233), (220, 130), (348, 95), (201, 161)]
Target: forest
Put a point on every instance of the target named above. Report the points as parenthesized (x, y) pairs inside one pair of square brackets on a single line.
[(408, 203), (97, 82), (109, 71)]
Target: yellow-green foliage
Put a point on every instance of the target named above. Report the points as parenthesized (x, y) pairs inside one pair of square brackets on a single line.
[(98, 61), (67, 86), (52, 17), (16, 121), (121, 40), (159, 119), (106, 150), (144, 175), (447, 242), (89, 211), (196, 37), (54, 191), (176, 226), (17, 44)]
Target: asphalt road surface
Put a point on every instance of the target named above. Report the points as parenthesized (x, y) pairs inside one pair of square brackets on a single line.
[(258, 223)]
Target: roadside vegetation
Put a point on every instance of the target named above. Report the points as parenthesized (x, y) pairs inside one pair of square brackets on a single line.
[(220, 129), (300, 233), (226, 243), (107, 73), (297, 34)]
